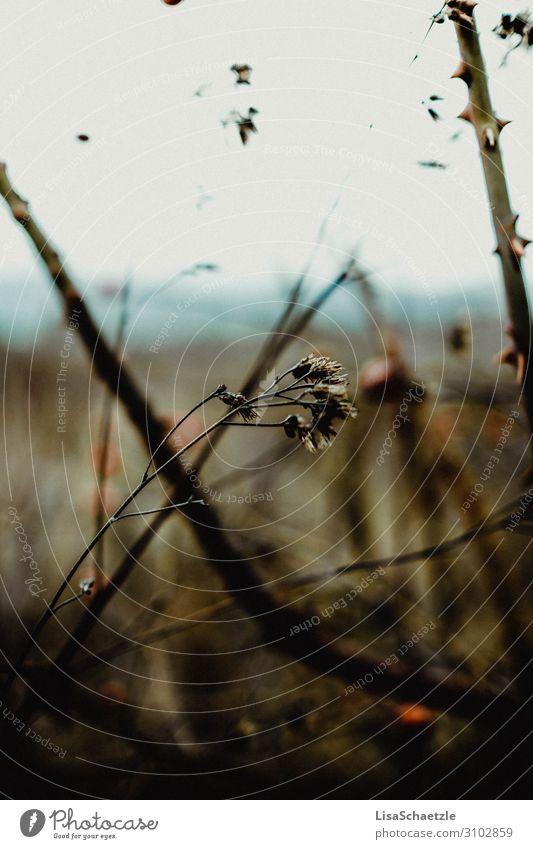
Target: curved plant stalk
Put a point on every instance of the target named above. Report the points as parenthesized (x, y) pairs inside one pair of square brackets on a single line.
[(205, 523), (314, 377), (510, 246)]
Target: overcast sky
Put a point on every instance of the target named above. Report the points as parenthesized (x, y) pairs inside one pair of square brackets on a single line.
[(339, 111)]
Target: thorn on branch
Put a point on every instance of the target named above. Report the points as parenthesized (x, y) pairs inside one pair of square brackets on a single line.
[(466, 114), (463, 72)]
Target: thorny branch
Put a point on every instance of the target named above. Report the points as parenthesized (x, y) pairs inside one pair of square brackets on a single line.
[(510, 246)]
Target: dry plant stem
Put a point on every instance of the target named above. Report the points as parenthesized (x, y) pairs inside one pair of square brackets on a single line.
[(97, 605), (204, 520), (510, 246), (146, 479), (99, 602), (430, 552), (118, 514)]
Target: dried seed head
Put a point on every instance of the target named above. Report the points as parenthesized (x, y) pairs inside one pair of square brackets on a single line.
[(319, 369), (291, 425), (305, 435), (323, 391), (341, 409), (238, 402), (323, 432)]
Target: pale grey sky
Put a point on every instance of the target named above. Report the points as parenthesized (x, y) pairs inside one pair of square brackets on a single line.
[(125, 72)]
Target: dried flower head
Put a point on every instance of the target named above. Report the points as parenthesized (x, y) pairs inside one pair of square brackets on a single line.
[(295, 426), (307, 438), (319, 369), (291, 425), (239, 403), (335, 389), (329, 390)]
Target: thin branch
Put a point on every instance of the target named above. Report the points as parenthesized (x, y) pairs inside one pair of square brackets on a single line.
[(158, 509), (480, 529), (175, 427)]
